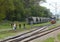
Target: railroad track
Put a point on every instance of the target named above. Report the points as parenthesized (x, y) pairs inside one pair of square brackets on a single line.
[(26, 35), (40, 34)]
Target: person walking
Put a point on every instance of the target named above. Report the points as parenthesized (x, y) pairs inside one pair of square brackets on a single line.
[(14, 26), (19, 25), (24, 26)]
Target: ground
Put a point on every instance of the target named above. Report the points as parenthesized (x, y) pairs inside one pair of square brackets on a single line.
[(49, 37), (6, 31), (52, 37)]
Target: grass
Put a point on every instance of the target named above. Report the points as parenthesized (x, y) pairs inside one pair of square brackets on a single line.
[(41, 24), (52, 39), (7, 33), (55, 25), (7, 25), (29, 26), (58, 36), (49, 40)]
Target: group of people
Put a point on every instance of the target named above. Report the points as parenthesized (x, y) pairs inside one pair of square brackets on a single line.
[(14, 26)]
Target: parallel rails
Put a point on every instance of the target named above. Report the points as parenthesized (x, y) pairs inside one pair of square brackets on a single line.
[(23, 34), (43, 34)]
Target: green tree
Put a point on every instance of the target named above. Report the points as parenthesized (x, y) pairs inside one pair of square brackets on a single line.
[(20, 9)]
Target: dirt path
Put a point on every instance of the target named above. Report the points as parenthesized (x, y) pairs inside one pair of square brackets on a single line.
[(53, 34)]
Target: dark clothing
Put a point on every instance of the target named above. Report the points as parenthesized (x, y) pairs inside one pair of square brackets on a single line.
[(24, 26), (19, 25)]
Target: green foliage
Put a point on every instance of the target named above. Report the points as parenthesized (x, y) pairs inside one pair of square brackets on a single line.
[(58, 36), (49, 40), (2, 16), (20, 9)]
